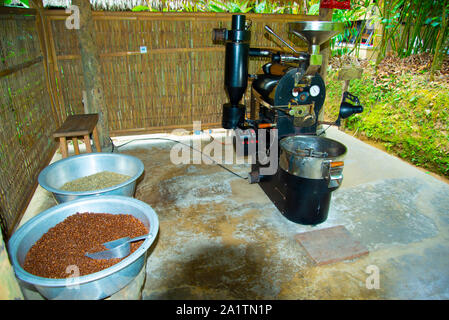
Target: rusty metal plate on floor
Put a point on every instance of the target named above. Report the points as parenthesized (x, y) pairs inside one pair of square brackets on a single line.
[(330, 245)]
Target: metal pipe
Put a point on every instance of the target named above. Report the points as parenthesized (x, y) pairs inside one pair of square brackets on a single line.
[(283, 41), (300, 36)]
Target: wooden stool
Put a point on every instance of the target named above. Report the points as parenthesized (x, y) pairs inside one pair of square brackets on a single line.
[(76, 126)]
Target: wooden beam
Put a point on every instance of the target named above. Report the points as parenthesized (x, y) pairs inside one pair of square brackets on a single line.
[(163, 129), (17, 11), (325, 15), (160, 51), (5, 72)]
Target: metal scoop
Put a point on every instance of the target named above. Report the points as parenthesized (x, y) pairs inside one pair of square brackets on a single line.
[(116, 249)]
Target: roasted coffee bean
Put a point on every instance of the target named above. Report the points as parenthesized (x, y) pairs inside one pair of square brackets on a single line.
[(64, 246)]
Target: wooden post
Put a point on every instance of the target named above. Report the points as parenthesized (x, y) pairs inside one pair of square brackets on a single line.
[(348, 73), (325, 15), (92, 72), (75, 145), (63, 147)]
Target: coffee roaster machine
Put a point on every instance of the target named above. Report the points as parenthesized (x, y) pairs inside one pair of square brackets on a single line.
[(286, 97)]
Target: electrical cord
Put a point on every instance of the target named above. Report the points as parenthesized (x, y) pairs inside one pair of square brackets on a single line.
[(172, 140), (322, 132), (176, 141)]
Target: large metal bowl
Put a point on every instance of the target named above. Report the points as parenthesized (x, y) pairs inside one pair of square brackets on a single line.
[(96, 285), (54, 176), (294, 158)]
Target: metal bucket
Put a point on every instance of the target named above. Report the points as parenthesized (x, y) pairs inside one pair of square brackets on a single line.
[(54, 176), (311, 156), (96, 285), (312, 168)]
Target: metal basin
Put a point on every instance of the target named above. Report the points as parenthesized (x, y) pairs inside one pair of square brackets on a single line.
[(53, 177), (96, 285), (305, 156)]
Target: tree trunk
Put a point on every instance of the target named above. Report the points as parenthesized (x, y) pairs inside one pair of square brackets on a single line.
[(92, 73)]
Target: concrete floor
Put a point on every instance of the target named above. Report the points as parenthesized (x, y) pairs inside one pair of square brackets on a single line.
[(222, 238)]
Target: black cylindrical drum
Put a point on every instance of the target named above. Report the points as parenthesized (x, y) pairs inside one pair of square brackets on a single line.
[(307, 200), (236, 70), (311, 167)]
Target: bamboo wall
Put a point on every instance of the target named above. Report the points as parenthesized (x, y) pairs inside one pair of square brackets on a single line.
[(26, 115), (179, 80)]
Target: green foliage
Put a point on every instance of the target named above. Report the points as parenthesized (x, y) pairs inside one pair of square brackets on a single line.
[(228, 6), (413, 26), (359, 11), (233, 6), (407, 27), (25, 3), (407, 114), (141, 8), (314, 9)]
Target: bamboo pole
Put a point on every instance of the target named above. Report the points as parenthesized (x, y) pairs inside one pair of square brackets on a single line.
[(44, 43), (54, 71), (437, 56)]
